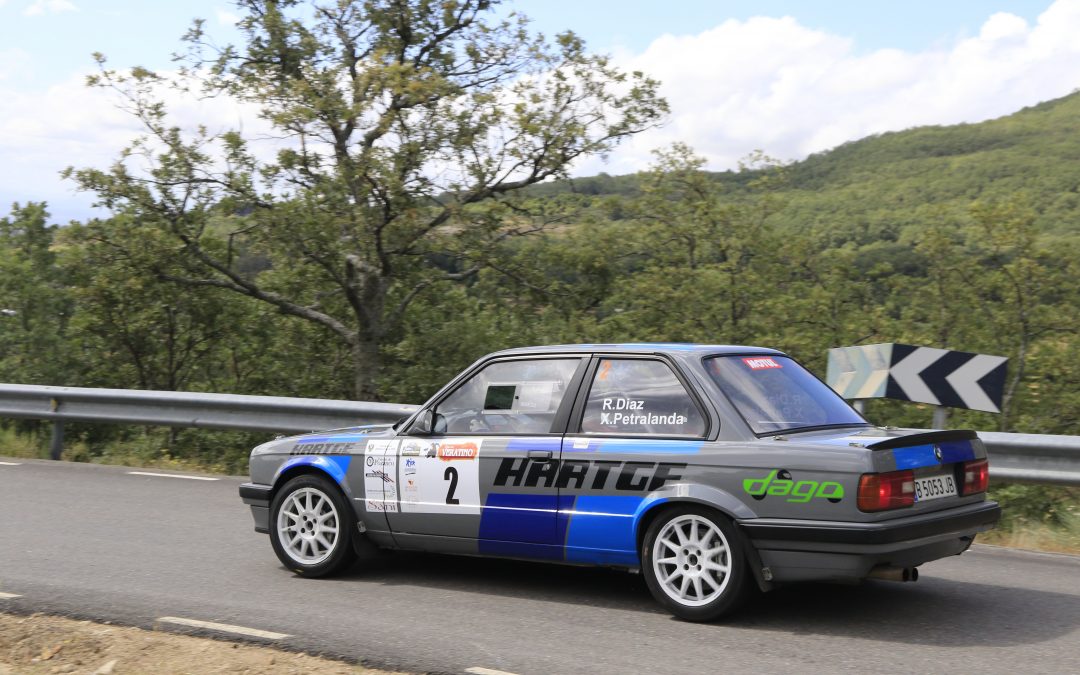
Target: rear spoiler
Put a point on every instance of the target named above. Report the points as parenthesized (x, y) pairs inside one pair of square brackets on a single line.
[(924, 438)]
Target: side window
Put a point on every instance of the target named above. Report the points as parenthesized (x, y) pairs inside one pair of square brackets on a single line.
[(640, 397), (508, 397)]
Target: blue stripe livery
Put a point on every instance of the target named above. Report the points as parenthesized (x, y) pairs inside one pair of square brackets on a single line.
[(918, 456), (634, 446), (336, 466), (603, 530), (598, 529), (523, 525), (956, 451), (553, 443)]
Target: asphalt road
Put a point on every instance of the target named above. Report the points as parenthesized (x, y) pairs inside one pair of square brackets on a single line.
[(100, 543)]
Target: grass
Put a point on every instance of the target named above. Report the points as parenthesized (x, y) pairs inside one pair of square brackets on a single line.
[(197, 450), (1036, 517)]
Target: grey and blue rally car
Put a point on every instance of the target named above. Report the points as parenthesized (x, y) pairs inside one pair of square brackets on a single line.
[(711, 469)]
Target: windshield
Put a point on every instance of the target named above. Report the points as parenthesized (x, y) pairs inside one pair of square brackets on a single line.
[(774, 394)]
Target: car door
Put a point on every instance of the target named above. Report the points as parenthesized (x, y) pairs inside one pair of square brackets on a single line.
[(487, 472), (637, 427)]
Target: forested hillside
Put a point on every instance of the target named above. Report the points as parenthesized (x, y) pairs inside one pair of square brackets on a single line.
[(352, 272), (883, 183)]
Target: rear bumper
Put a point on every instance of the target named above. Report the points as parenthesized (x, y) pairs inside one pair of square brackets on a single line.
[(802, 550), (258, 497)]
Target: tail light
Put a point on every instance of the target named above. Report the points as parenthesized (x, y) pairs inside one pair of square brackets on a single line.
[(884, 491), (976, 476)]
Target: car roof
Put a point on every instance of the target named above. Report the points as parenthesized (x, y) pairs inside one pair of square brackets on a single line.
[(681, 348)]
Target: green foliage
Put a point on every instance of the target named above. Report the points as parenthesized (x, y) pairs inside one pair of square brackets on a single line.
[(1029, 505), (36, 300)]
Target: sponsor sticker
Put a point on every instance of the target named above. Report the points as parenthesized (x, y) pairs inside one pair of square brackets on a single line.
[(449, 452), (761, 363), (443, 478), (605, 368), (303, 448), (779, 483), (380, 471)]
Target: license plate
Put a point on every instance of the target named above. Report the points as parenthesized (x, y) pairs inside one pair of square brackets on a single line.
[(935, 487)]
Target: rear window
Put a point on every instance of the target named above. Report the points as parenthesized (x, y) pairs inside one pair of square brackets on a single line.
[(775, 394)]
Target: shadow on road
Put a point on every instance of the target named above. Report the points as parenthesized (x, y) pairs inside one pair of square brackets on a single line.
[(932, 612)]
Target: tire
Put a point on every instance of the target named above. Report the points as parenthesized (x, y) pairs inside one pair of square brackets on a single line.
[(694, 563), (312, 527)]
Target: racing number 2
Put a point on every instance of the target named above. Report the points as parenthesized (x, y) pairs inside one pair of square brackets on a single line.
[(451, 475)]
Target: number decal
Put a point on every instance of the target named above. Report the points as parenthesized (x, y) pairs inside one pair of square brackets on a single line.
[(451, 475), (441, 475)]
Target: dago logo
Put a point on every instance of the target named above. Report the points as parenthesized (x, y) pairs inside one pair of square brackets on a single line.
[(779, 483)]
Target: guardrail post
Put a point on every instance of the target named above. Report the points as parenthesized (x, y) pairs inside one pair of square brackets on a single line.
[(56, 446)]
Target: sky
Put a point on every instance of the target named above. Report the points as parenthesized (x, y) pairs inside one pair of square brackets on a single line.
[(786, 77)]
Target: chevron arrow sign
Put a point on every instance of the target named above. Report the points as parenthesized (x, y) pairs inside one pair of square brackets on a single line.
[(922, 374)]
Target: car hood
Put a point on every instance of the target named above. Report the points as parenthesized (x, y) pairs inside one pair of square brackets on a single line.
[(333, 441)]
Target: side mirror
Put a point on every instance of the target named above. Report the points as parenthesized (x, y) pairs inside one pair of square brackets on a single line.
[(422, 426)]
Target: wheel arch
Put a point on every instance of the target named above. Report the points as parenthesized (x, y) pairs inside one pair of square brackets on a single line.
[(724, 503), (333, 467)]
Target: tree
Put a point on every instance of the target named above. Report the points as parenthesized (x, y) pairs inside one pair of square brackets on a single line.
[(693, 245), (37, 303), (405, 128)]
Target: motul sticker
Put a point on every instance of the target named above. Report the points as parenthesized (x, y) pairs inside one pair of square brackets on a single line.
[(761, 363)]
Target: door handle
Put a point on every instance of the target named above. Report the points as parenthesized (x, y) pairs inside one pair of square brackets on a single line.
[(539, 455)]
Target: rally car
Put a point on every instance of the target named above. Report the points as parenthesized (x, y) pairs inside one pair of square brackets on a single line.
[(712, 470)]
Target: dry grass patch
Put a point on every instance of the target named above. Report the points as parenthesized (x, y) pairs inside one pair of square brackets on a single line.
[(48, 644)]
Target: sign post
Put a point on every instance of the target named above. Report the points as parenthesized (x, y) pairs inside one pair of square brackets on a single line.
[(939, 377)]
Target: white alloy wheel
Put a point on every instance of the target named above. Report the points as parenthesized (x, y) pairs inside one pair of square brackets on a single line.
[(307, 526), (691, 560)]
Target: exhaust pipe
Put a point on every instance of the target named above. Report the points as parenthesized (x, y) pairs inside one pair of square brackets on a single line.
[(894, 573)]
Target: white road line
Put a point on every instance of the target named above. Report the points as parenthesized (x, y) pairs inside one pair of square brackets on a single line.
[(486, 671), (224, 628), (11, 463), (168, 475), (8, 596)]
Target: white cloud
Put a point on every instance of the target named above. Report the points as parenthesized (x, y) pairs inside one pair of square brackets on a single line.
[(12, 61), (225, 17), (39, 7), (69, 124), (774, 84)]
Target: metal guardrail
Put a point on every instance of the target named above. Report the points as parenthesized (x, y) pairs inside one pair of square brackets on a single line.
[(1029, 458), (188, 409), (1033, 458)]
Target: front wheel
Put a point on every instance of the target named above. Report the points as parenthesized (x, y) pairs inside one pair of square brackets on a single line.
[(694, 564), (311, 527)]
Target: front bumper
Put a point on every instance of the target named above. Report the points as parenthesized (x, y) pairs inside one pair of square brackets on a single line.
[(258, 497), (814, 550)]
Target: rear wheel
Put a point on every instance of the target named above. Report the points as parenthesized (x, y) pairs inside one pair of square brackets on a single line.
[(311, 527), (694, 564)]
